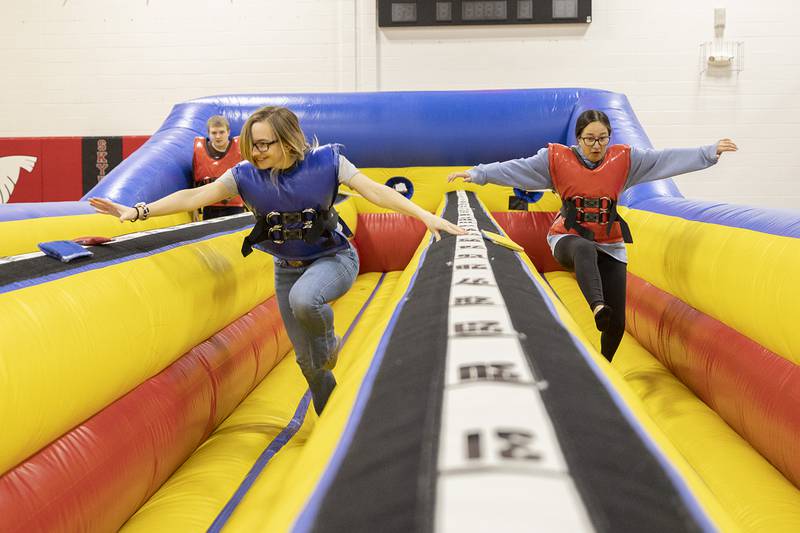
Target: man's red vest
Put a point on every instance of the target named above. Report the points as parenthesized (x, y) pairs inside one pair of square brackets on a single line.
[(206, 169), (572, 180)]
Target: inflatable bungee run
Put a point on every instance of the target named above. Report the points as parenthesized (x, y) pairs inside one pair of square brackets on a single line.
[(152, 387)]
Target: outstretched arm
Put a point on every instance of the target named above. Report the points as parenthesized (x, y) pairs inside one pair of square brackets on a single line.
[(389, 198), (529, 174), (177, 202), (651, 165)]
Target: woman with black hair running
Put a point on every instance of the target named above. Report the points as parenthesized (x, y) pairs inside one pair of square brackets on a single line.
[(588, 236)]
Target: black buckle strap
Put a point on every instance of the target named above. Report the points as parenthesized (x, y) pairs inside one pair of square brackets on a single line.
[(272, 227), (597, 218), (623, 225), (255, 236), (277, 233), (573, 211), (306, 216), (603, 203)]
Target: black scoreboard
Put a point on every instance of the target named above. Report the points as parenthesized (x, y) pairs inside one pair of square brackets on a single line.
[(459, 12)]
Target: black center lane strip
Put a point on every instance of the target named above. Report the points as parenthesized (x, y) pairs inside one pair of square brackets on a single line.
[(26, 272), (387, 479), (624, 486)]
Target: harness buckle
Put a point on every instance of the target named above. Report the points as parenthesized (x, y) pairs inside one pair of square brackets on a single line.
[(276, 234), (309, 216), (603, 204)]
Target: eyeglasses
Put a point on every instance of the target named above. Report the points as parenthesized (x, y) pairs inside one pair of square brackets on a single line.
[(263, 146), (589, 141)]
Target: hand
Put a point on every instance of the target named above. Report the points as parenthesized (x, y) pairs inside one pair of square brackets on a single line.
[(463, 175), (107, 207), (435, 224), (725, 145)]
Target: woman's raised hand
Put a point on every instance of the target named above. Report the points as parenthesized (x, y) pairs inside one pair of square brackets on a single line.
[(726, 145), (463, 175), (107, 207)]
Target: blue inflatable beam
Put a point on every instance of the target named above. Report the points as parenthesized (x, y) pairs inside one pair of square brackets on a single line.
[(398, 129), (386, 129)]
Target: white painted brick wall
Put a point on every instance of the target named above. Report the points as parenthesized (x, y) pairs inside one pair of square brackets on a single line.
[(91, 67), (79, 67)]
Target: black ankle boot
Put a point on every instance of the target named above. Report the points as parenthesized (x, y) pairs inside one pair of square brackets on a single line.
[(602, 318), (321, 389)]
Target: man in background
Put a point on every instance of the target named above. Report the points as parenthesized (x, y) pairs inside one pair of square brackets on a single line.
[(212, 157)]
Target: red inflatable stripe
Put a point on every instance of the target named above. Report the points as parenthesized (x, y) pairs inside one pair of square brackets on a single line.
[(529, 230), (97, 475), (756, 391), (386, 242)]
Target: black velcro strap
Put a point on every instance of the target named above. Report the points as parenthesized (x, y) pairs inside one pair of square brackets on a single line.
[(345, 228), (324, 226), (255, 236), (614, 216), (270, 227), (573, 217), (570, 214)]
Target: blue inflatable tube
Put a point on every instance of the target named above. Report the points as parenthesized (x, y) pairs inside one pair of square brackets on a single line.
[(24, 211), (397, 129), (385, 129)]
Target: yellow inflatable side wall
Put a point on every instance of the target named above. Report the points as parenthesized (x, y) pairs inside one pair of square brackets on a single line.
[(22, 236), (741, 277), (82, 341), (753, 493)]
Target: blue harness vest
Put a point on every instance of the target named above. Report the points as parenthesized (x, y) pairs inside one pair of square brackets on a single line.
[(295, 219)]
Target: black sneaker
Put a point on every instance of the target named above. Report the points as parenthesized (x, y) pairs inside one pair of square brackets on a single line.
[(602, 318)]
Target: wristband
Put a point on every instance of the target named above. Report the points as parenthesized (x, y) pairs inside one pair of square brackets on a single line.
[(145, 210)]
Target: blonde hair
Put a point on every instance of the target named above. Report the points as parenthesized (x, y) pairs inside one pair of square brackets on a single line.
[(291, 139), (217, 121)]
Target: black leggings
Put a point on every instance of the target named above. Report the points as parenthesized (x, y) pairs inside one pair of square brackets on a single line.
[(602, 281)]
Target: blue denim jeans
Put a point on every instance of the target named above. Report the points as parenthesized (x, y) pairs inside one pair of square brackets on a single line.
[(304, 293)]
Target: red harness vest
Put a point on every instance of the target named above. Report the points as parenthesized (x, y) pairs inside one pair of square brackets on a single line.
[(593, 192), (206, 169)]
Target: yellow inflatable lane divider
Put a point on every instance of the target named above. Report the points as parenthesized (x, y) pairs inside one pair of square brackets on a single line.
[(430, 184), (555, 284), (294, 474), (747, 492), (195, 496), (741, 277), (279, 511), (84, 340)]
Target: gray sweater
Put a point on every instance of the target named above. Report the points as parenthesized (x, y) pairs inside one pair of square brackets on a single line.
[(533, 174)]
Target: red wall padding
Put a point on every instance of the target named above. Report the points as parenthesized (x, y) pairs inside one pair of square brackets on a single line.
[(386, 241), (754, 390), (131, 143), (97, 475), (529, 230), (57, 175)]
